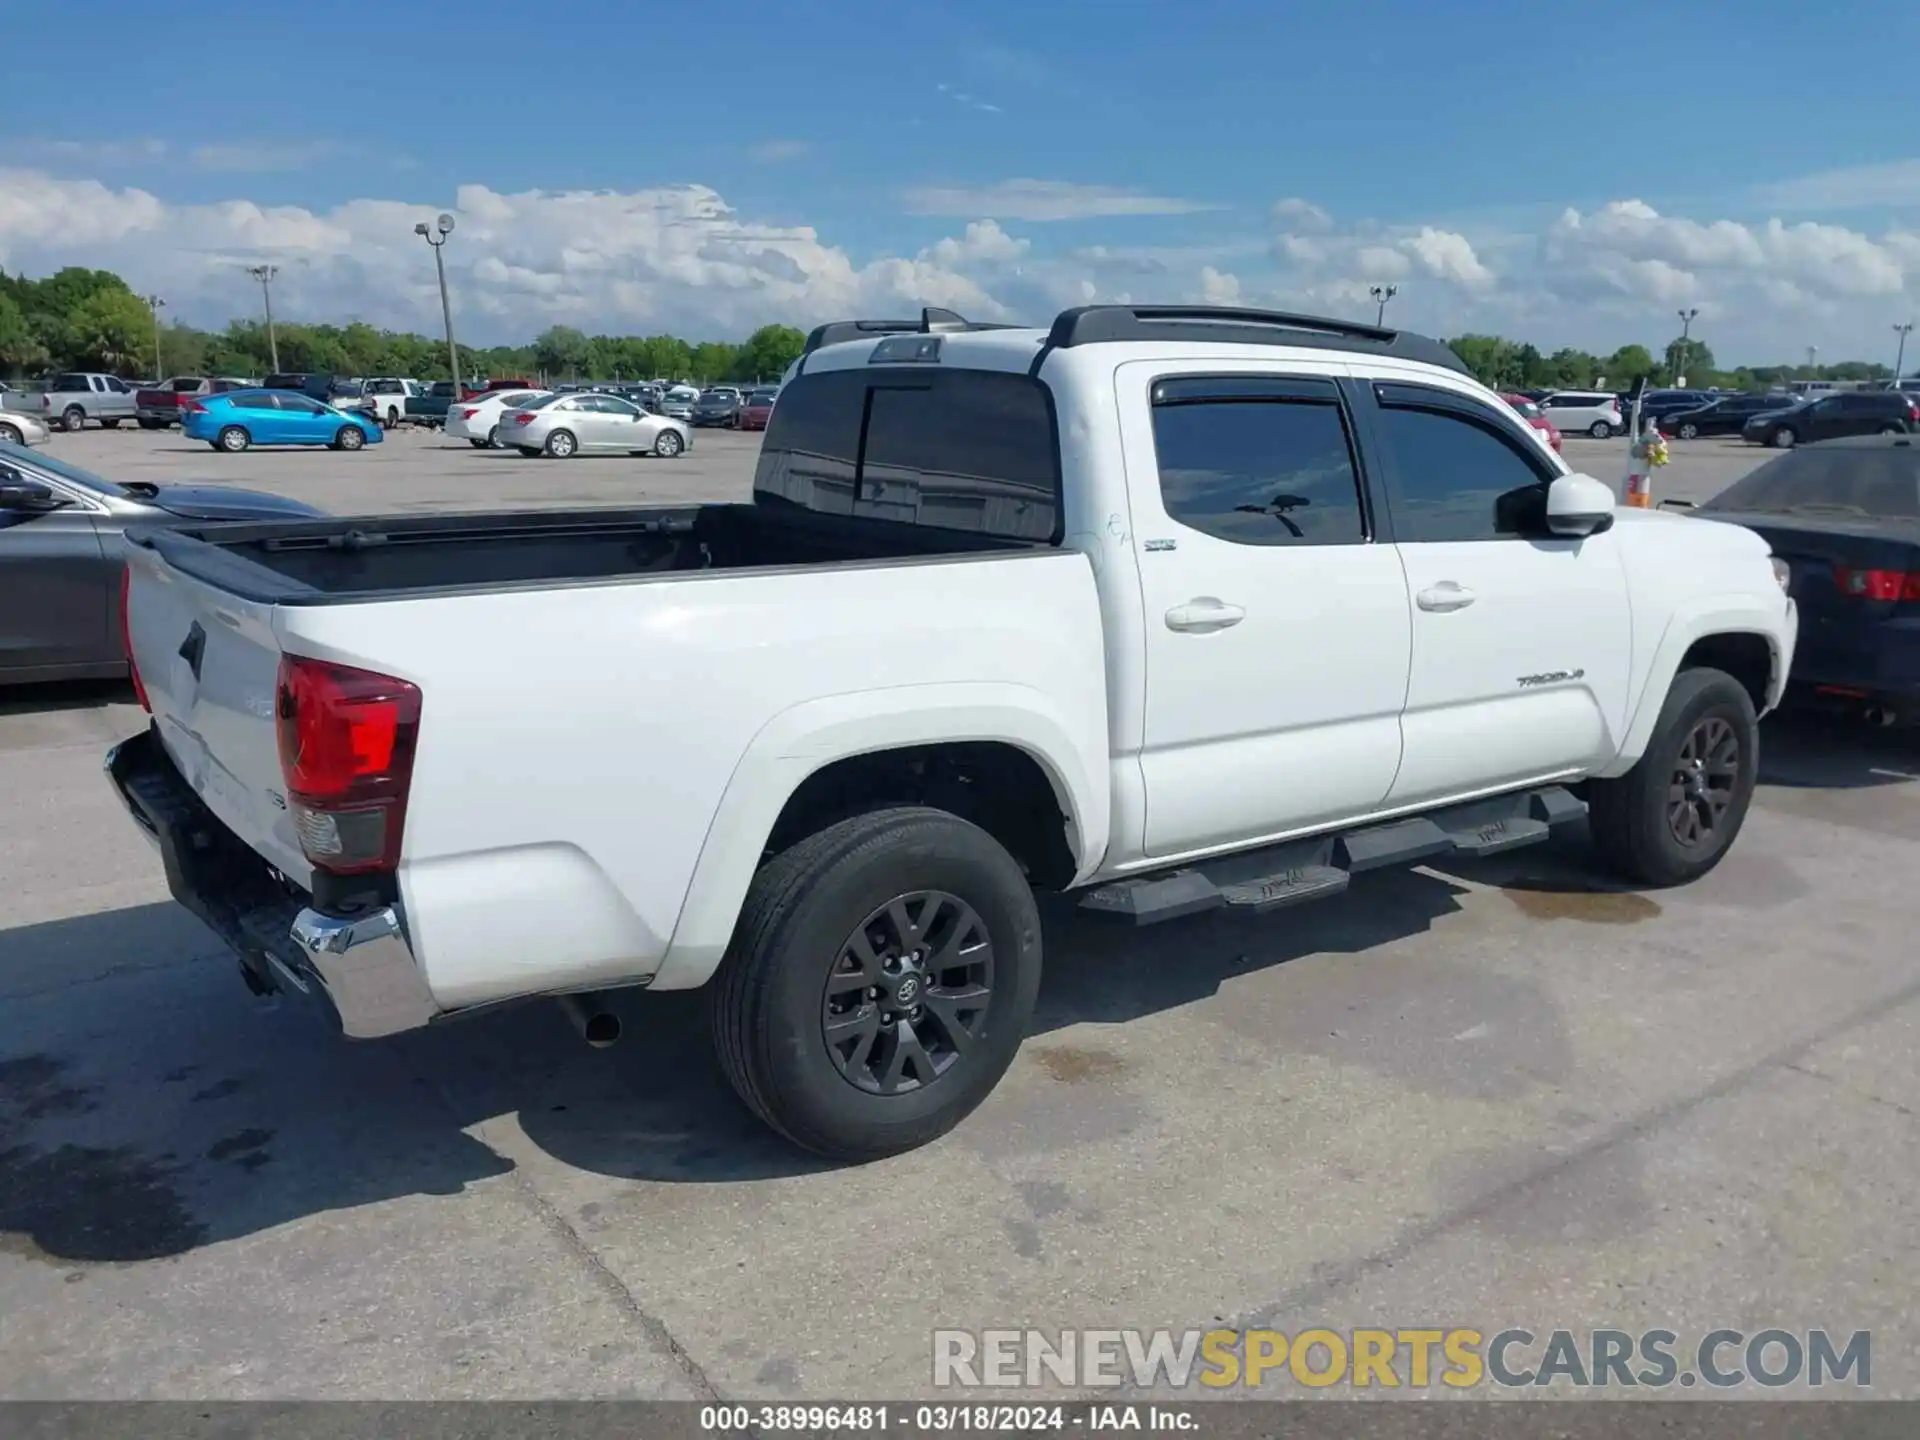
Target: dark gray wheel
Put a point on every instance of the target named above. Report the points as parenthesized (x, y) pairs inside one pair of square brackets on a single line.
[(879, 982), (478, 444), (492, 442), (561, 445), (72, 418), (233, 440), (668, 444), (351, 437), (10, 434), (1783, 437), (1673, 816), (1688, 430)]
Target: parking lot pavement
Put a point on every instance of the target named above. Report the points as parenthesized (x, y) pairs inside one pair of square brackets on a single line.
[(1497, 1094)]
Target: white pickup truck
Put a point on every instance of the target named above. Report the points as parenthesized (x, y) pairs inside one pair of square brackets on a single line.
[(1173, 608)]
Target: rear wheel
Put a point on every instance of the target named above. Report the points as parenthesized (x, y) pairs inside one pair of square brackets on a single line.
[(1600, 430), (1891, 430), (1783, 437), (668, 444), (492, 442), (351, 437), (879, 982), (146, 424), (478, 444), (1673, 816), (1688, 430), (72, 418), (111, 423), (10, 434), (233, 440), (561, 444)]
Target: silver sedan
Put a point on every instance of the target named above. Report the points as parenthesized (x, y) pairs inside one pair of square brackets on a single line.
[(19, 428), (567, 425)]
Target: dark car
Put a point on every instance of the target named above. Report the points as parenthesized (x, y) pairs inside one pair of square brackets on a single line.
[(1834, 416), (1727, 415), (756, 409), (314, 387), (720, 406), (1657, 405), (1844, 517), (61, 558)]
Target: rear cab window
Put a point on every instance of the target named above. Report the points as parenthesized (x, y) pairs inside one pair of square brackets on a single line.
[(954, 449)]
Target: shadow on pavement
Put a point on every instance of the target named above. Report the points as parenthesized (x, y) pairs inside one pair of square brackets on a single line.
[(1821, 749), (54, 695)]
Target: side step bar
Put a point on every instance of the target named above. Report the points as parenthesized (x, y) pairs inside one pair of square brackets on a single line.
[(1317, 868)]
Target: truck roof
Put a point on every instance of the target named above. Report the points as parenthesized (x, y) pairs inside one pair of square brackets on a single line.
[(989, 346)]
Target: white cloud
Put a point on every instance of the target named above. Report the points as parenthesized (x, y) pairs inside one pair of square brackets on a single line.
[(1894, 183), (772, 152), (1217, 287), (236, 156), (1297, 216), (1449, 256), (1043, 200), (984, 243), (1380, 262)]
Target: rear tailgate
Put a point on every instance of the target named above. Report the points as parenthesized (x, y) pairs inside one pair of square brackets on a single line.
[(209, 662)]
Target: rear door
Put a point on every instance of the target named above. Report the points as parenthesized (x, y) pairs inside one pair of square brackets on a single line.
[(1277, 628), (54, 582)]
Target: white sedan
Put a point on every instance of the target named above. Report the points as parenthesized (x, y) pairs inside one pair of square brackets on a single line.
[(477, 421), (563, 426), (19, 428)]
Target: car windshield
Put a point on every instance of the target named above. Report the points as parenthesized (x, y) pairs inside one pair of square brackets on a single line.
[(1525, 407), (65, 470), (1878, 481)]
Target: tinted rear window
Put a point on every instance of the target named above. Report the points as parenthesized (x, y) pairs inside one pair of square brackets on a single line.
[(958, 449), (1878, 481)]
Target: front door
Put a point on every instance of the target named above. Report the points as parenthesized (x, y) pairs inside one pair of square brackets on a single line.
[(1277, 631), (306, 420), (1521, 640)]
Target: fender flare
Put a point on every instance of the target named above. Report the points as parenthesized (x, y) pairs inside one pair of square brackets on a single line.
[(814, 734), (1686, 628)]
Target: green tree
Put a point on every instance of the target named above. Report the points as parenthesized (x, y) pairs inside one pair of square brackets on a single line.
[(768, 352), (1628, 364), (1691, 358), (561, 350), (20, 349), (112, 329)]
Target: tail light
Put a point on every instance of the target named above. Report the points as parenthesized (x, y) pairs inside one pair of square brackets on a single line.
[(126, 638), (346, 753), (525, 417), (1878, 584), (193, 407), (469, 412)]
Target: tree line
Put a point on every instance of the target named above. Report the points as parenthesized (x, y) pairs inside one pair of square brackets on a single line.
[(80, 319)]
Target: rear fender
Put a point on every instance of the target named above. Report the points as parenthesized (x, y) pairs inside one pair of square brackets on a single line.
[(810, 736)]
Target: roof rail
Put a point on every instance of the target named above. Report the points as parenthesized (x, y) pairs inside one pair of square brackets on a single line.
[(1228, 324), (933, 321)]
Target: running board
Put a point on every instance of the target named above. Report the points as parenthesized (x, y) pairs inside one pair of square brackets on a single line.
[(1297, 871)]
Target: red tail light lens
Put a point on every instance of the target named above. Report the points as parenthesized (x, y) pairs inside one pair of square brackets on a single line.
[(126, 638), (525, 417), (346, 753), (469, 413), (1877, 584), (193, 407)]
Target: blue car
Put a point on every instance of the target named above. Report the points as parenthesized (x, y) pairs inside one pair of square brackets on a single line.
[(242, 418)]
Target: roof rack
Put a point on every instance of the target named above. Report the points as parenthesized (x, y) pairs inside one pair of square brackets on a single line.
[(1217, 324), (933, 321)]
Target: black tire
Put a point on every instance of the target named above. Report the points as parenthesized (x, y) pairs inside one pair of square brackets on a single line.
[(73, 418), (492, 442), (1892, 430), (562, 445), (530, 451), (11, 435), (112, 423), (1631, 817), (1689, 431), (351, 437), (769, 1001), (668, 444), (146, 424), (233, 439), (478, 444), (1783, 437)]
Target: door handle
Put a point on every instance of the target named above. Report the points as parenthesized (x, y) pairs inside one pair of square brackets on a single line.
[(1444, 597), (1204, 614)]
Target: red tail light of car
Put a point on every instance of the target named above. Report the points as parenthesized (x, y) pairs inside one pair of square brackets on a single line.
[(346, 741), (525, 417), (1878, 584), (469, 412), (193, 407)]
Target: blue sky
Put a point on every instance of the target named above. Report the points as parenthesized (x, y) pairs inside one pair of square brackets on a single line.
[(1136, 149)]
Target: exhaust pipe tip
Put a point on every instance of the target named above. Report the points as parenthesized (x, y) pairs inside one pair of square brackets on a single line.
[(1881, 716), (597, 1025)]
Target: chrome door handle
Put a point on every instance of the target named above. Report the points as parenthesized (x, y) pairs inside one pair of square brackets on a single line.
[(1203, 615), (1444, 597)]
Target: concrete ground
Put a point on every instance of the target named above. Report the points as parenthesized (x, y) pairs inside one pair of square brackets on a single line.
[(1493, 1095)]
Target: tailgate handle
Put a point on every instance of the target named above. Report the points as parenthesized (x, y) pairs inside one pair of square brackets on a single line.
[(193, 648)]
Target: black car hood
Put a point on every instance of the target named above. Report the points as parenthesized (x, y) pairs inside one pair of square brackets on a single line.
[(223, 502)]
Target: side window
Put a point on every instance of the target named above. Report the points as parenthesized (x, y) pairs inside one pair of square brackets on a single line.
[(255, 402), (1253, 468), (1458, 473), (299, 404)]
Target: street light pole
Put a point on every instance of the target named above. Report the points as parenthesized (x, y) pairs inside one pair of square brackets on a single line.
[(436, 236), (1904, 329), (264, 274), (1381, 294), (156, 304), (1687, 317)]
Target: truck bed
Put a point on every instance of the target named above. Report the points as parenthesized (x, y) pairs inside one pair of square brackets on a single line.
[(318, 562)]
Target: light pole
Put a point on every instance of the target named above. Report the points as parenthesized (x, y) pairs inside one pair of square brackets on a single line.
[(1381, 294), (1813, 352), (1687, 317), (264, 274), (156, 304), (436, 236), (1904, 329)]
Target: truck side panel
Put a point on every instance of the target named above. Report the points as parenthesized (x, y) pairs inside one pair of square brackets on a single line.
[(576, 744)]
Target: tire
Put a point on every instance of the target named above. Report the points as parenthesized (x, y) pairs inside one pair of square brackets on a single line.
[(145, 424), (667, 444), (1689, 431), (1600, 430), (492, 442), (73, 418), (351, 437), (11, 435), (1783, 437), (528, 450), (1891, 430), (233, 440), (1636, 823), (770, 1007), (112, 423), (478, 444), (561, 445)]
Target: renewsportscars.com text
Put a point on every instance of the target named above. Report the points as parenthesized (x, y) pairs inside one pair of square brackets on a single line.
[(1413, 1358)]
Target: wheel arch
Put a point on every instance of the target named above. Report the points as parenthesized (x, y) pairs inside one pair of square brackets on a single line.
[(825, 759), (1748, 643)]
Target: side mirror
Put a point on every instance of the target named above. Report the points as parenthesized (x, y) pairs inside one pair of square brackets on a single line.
[(1579, 505), (26, 497)]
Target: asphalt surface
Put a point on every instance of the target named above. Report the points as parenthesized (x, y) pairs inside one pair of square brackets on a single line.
[(1494, 1095)]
